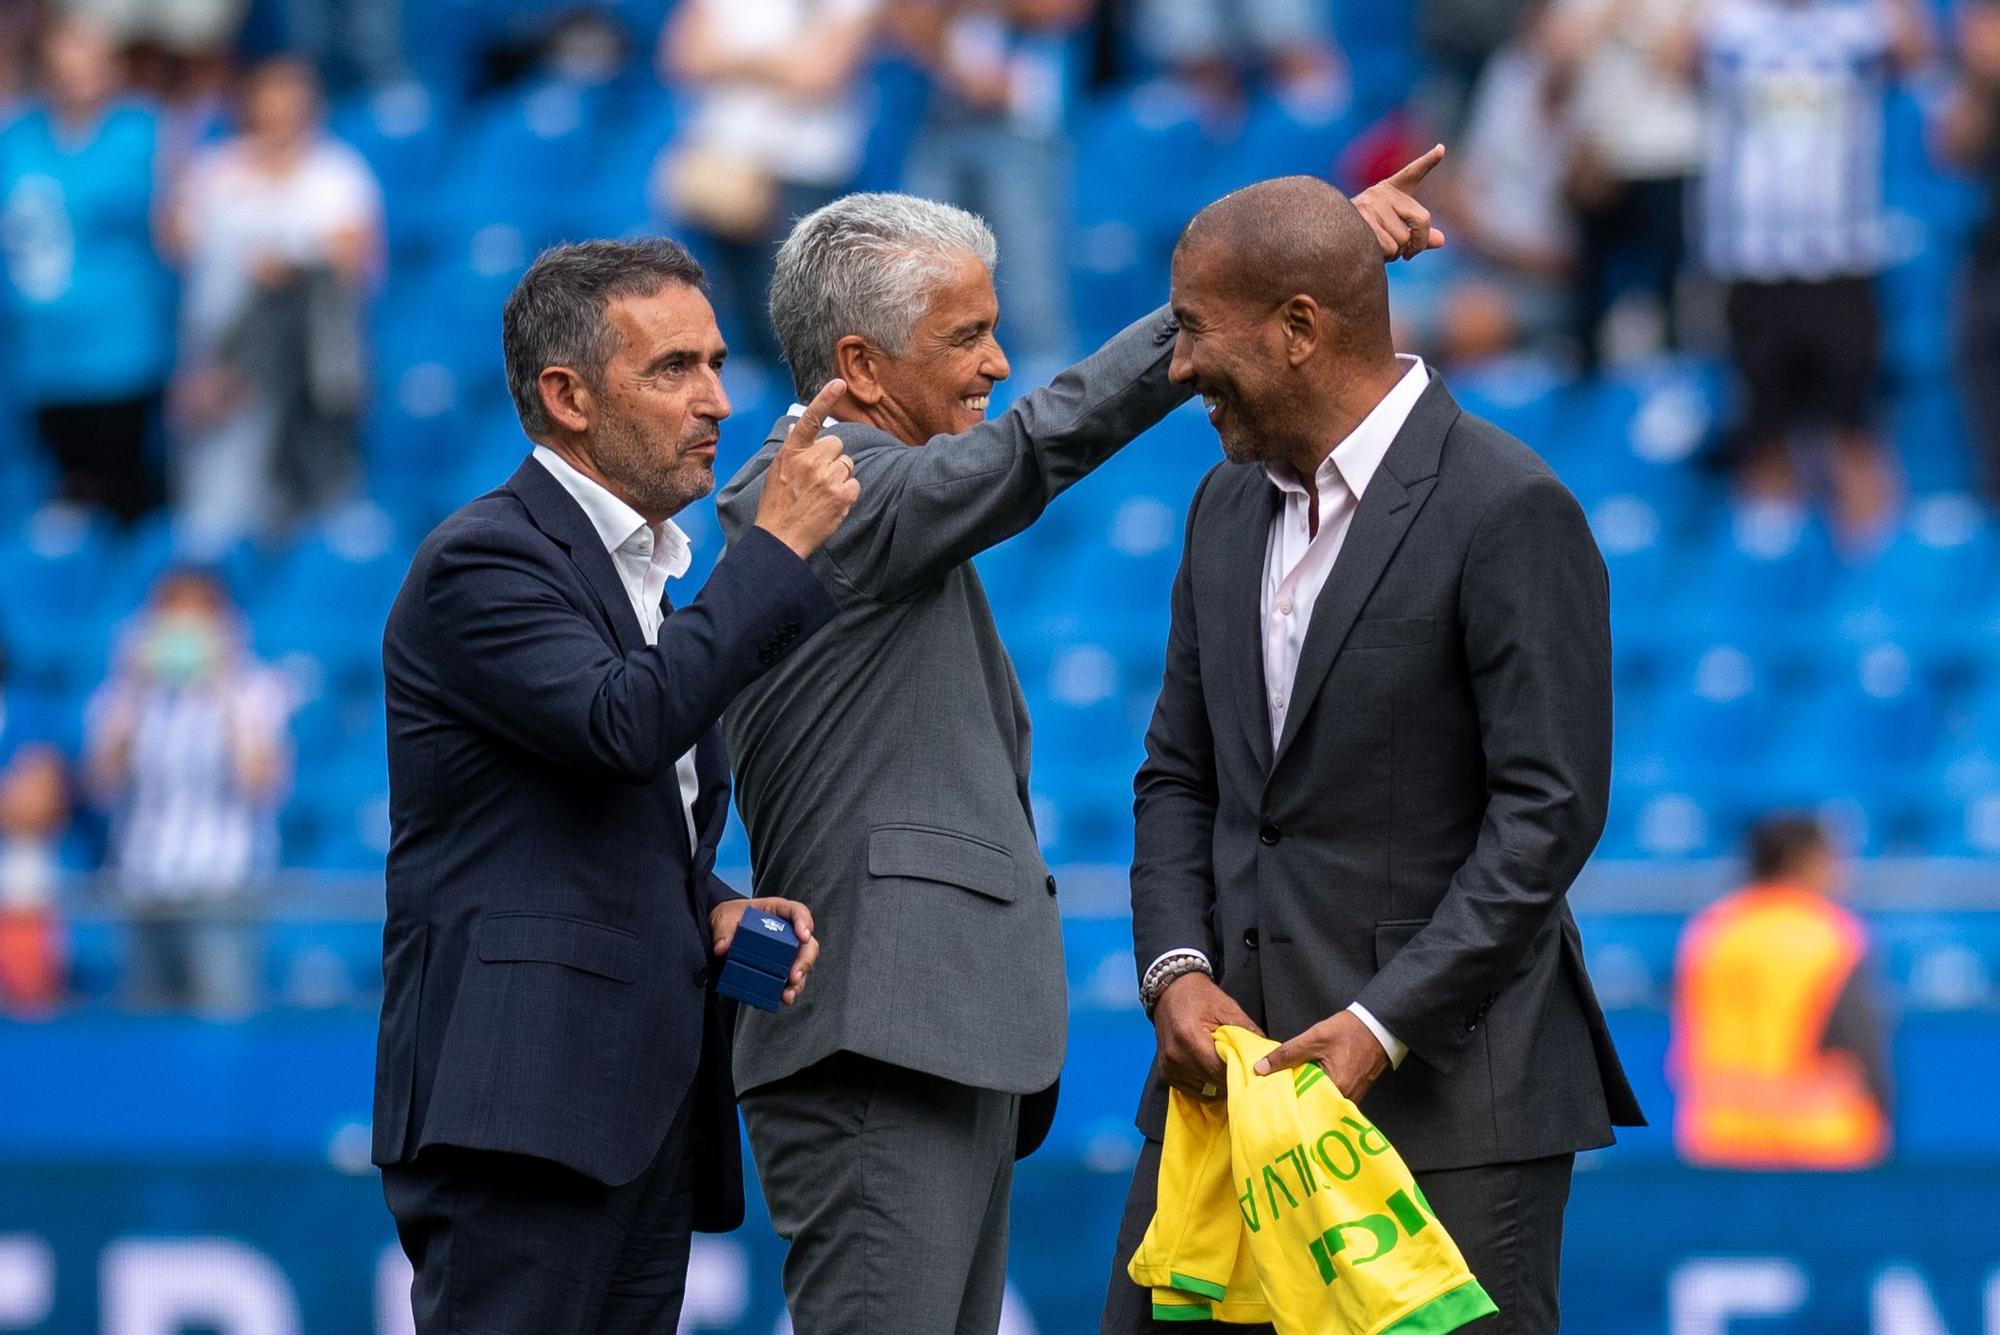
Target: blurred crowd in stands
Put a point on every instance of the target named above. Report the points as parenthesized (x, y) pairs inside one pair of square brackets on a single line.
[(252, 254)]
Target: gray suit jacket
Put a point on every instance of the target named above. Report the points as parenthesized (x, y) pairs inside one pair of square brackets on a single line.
[(882, 772), (1441, 779)]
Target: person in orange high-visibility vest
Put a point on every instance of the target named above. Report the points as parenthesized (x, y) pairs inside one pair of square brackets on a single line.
[(1778, 1056)]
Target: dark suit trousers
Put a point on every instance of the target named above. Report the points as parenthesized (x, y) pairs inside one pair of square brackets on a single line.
[(507, 1243), (892, 1189), (1506, 1218)]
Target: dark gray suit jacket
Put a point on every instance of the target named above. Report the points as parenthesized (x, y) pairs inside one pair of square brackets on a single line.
[(883, 773), (1440, 781)]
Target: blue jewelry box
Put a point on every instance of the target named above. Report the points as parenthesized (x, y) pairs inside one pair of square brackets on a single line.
[(765, 942), (759, 964), (752, 987)]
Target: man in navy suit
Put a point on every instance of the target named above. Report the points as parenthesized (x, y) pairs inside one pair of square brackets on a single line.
[(553, 1112)]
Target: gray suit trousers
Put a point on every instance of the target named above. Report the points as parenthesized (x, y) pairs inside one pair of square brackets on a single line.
[(891, 1187), (1507, 1219)]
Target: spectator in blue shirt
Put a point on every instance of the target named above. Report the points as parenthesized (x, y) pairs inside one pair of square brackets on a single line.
[(89, 304)]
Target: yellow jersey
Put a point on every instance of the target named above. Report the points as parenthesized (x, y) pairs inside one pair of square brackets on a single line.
[(1281, 1203)]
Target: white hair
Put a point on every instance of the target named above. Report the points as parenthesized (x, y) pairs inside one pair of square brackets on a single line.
[(867, 265)]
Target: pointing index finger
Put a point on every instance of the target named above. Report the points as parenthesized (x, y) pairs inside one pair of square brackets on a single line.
[(1413, 172), (806, 430)]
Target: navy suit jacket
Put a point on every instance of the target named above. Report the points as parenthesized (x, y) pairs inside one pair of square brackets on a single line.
[(545, 962)]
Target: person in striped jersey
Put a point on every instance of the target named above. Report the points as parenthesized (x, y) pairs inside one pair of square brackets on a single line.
[(189, 748), (1791, 220)]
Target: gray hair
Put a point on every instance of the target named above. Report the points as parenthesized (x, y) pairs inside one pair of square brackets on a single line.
[(556, 315), (867, 265)]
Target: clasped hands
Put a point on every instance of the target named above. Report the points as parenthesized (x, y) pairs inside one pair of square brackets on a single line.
[(1193, 1008)]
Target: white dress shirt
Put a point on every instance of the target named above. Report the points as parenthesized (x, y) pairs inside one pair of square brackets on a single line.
[(645, 558), (1298, 558)]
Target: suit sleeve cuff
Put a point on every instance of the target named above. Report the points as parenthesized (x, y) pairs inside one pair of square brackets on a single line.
[(1395, 1047), (783, 585)]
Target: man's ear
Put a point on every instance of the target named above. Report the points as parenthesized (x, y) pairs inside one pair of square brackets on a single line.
[(566, 398), (859, 365), (1299, 321)]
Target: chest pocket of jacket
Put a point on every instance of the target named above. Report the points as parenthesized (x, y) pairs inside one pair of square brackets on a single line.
[(1391, 632), (550, 938), (926, 854)]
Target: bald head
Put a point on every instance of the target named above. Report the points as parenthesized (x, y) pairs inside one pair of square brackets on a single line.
[(1284, 317), (1295, 236)]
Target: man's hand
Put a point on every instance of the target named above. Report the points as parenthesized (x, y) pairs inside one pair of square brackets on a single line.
[(1402, 225), (723, 921), (1184, 1024), (810, 486), (1342, 1045)]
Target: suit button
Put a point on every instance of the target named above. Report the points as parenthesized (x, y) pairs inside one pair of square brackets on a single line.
[(701, 976), (1269, 835), (1052, 884), (1250, 937)]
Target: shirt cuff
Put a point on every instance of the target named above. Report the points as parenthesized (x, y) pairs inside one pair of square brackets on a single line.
[(1395, 1047), (1201, 955)]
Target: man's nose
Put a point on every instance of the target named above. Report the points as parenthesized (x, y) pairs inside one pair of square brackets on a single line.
[(1180, 367), (715, 403), (994, 365)]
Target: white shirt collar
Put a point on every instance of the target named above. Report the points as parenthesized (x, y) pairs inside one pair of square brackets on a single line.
[(1355, 460), (619, 527)]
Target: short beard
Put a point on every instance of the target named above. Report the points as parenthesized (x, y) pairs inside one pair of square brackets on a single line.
[(663, 486), (1242, 448)]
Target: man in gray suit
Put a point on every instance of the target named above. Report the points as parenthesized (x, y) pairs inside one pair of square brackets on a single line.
[(883, 778), (1381, 751)]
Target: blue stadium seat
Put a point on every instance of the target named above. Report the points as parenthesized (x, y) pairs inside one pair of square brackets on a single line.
[(1649, 821), (895, 93), (331, 599), (1086, 748), (338, 817), (1930, 439), (1716, 715), (1855, 747), (447, 55), (525, 159), (624, 199), (1962, 782), (1759, 575), (1637, 560), (401, 130), (1010, 572), (1380, 44), (1523, 396), (1285, 135), (1928, 586), (1175, 454), (1139, 179), (53, 568), (1639, 430)]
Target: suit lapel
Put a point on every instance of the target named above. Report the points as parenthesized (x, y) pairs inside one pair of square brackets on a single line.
[(557, 514), (1390, 505), (1243, 541)]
